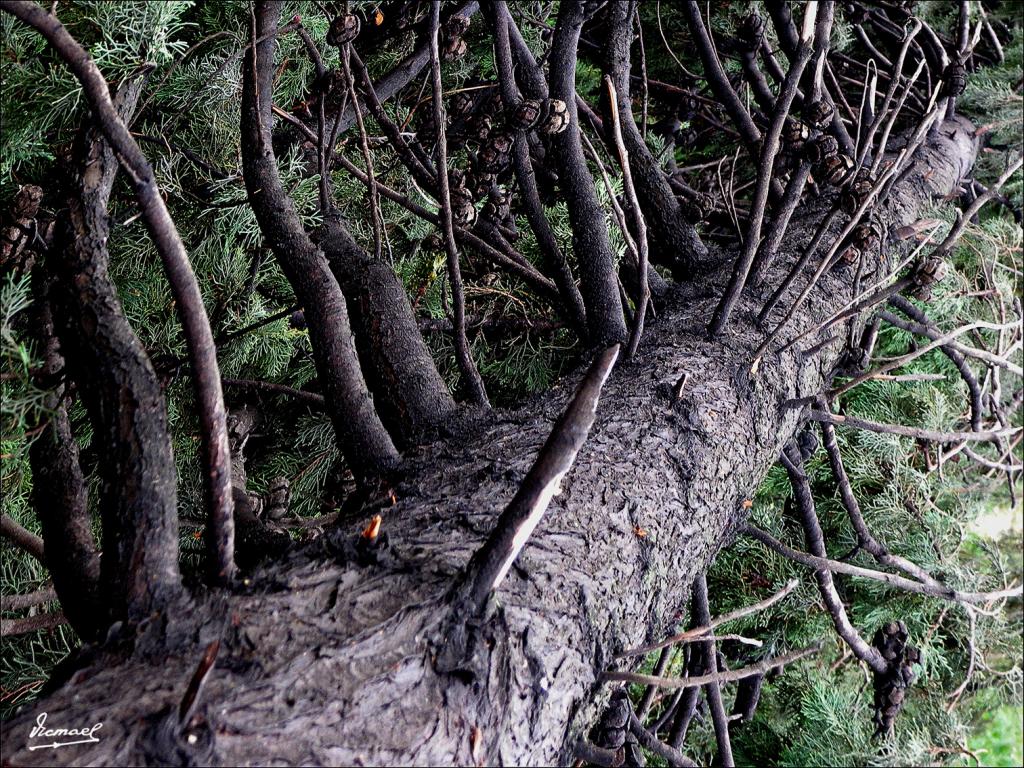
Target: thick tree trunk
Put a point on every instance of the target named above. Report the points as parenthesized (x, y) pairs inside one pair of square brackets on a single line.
[(327, 657)]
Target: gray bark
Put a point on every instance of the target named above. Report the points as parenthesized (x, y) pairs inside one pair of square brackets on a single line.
[(330, 660)]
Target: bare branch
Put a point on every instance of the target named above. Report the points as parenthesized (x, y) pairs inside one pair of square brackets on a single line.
[(730, 676), (599, 282), (713, 687), (793, 462), (23, 539), (310, 398), (12, 627), (643, 287), (765, 174), (904, 359), (491, 563), (30, 600), (184, 287), (915, 432), (899, 582), (361, 435), (725, 618), (574, 308), (651, 742), (470, 375)]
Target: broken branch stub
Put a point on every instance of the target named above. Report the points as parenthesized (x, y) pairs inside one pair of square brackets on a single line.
[(492, 562)]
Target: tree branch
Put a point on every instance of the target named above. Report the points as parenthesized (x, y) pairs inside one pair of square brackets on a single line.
[(22, 538), (899, 582), (599, 285), (470, 375), (362, 437), (675, 242), (501, 22), (793, 462), (513, 528), (765, 174), (184, 286)]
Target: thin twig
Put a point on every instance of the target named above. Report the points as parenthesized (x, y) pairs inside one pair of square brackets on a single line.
[(470, 374), (22, 538), (713, 688), (643, 287), (310, 398), (914, 432), (725, 618), (729, 676), (899, 582)]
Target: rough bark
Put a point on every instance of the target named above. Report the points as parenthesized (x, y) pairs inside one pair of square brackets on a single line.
[(399, 368), (121, 391), (362, 437), (61, 501), (327, 657)]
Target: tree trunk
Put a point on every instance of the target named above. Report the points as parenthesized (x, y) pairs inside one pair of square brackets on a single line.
[(327, 656)]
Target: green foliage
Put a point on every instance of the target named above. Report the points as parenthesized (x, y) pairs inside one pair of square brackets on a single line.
[(998, 740), (818, 712)]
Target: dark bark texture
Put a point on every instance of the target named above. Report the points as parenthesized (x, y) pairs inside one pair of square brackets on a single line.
[(675, 241), (400, 371), (361, 435), (61, 502), (327, 657), (122, 393)]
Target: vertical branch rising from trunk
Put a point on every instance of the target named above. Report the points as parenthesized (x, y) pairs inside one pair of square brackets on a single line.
[(640, 245), (399, 368), (121, 391), (60, 499), (589, 233), (782, 20), (722, 88), (676, 240), (502, 22), (361, 435), (713, 690), (470, 375), (189, 301), (765, 170)]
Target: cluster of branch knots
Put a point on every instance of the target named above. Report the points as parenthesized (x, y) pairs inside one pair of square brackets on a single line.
[(818, 125)]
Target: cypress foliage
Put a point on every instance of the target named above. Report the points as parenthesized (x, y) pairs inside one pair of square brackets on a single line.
[(818, 713)]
